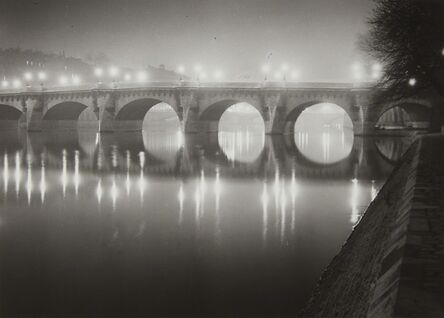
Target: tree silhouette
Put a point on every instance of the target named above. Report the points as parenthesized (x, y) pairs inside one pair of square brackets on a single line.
[(407, 38)]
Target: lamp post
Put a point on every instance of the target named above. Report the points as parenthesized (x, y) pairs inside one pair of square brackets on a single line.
[(42, 77), (28, 78), (98, 72), (181, 70), (265, 70)]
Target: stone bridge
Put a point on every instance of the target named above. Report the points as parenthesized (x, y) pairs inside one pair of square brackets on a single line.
[(198, 108)]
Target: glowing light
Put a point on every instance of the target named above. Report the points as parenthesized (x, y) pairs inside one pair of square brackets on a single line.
[(265, 68), (181, 69), (114, 193), (5, 83), (16, 83), (354, 202), (76, 172), (29, 182), (99, 191), (98, 71), (376, 71), (264, 199), (63, 80), (5, 173), (197, 68), (373, 191), (218, 75), (442, 52), (294, 75), (358, 71), (142, 76), (28, 76), (41, 76), (17, 174), (127, 77), (42, 185), (64, 173), (412, 82), (181, 197), (113, 71), (76, 80)]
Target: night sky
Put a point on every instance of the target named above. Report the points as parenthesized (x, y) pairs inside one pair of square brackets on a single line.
[(317, 37)]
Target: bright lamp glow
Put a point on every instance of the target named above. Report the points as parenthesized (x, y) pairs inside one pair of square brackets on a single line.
[(294, 75), (142, 76), (16, 83), (98, 71), (76, 80), (28, 76), (218, 75), (412, 82), (41, 76), (5, 83), (127, 77), (265, 68), (197, 68), (181, 69), (113, 71), (63, 80)]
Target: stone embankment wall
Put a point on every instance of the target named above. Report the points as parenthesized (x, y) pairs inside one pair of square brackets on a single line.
[(392, 265)]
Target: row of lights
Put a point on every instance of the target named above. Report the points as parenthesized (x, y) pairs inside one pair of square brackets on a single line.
[(28, 77), (283, 73), (358, 69)]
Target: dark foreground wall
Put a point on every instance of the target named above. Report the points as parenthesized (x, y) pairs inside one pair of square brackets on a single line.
[(392, 265)]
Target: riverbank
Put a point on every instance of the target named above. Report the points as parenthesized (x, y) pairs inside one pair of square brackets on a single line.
[(392, 265)]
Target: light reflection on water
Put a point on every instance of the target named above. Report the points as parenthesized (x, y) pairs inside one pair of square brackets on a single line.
[(211, 224)]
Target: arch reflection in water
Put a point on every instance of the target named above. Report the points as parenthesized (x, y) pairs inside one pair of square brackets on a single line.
[(324, 133), (198, 206), (241, 133)]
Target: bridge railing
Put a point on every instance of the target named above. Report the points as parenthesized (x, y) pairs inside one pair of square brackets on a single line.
[(188, 84)]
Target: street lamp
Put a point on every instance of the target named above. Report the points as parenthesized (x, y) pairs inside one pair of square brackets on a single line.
[(412, 81), (98, 72), (197, 70), (76, 80), (284, 69), (63, 80), (181, 70), (218, 75), (5, 83), (376, 71), (28, 78), (265, 69), (142, 76), (294, 75), (127, 77), (42, 77), (16, 83), (113, 72)]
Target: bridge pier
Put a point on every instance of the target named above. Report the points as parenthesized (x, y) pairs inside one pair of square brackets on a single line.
[(34, 114)]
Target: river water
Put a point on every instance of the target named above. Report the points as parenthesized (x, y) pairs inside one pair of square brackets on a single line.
[(162, 224)]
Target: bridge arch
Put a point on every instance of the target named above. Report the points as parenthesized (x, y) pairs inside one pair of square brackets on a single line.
[(63, 115), (294, 113), (130, 116), (9, 117), (418, 114), (210, 117)]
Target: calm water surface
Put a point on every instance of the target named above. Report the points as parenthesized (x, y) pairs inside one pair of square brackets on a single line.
[(153, 224)]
